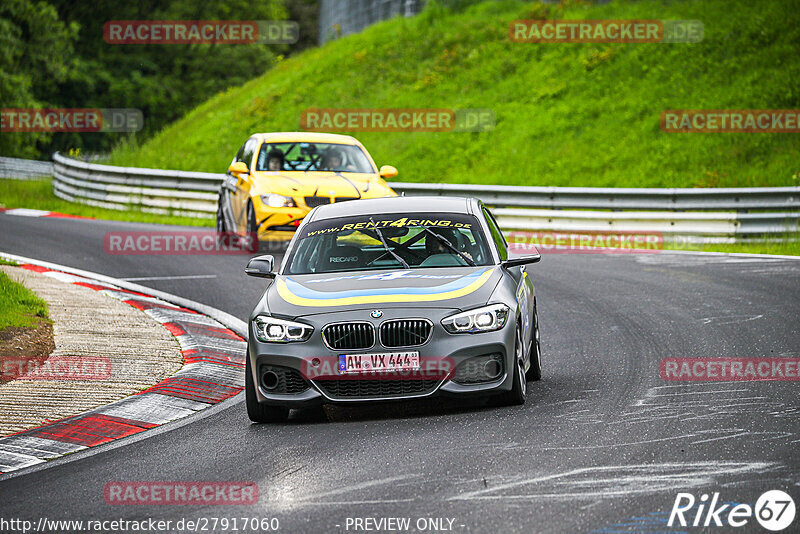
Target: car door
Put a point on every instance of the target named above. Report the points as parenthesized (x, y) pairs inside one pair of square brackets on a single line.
[(241, 196), (524, 290)]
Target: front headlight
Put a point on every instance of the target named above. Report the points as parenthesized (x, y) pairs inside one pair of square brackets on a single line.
[(274, 200), (485, 319), (273, 330)]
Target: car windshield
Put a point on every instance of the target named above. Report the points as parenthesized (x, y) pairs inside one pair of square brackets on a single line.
[(412, 240), (313, 157)]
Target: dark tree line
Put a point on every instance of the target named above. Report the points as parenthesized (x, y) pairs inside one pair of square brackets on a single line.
[(53, 54)]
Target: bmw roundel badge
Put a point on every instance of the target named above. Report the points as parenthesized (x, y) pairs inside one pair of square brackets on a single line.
[(376, 314)]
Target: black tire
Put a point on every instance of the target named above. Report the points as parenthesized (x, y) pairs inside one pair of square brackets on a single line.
[(252, 228), (519, 389), (257, 412), (252, 223), (221, 226), (535, 372)]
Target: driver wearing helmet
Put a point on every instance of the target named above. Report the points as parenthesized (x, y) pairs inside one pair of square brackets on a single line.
[(275, 160), (334, 161), (434, 246)]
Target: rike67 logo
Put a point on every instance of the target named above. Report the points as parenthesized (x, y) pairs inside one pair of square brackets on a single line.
[(774, 510)]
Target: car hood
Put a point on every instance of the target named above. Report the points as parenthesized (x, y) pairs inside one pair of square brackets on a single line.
[(325, 184), (442, 287)]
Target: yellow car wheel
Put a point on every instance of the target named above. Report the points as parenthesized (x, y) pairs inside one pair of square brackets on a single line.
[(252, 223)]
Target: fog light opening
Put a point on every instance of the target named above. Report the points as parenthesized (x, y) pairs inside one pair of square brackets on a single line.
[(492, 369), (269, 380)]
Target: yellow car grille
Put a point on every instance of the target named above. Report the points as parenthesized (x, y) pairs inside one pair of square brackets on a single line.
[(313, 202)]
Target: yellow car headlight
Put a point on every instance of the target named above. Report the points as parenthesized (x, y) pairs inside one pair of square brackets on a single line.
[(274, 200)]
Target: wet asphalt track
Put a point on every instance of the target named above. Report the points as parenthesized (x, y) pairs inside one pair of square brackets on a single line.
[(603, 444)]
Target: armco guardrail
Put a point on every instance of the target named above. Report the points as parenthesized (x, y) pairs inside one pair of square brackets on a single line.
[(612, 198), (723, 212), (669, 224), (192, 194), (24, 169)]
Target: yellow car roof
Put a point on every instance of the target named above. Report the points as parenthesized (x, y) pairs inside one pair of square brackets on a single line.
[(306, 137)]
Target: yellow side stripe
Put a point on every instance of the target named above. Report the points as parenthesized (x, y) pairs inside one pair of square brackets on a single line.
[(291, 298)]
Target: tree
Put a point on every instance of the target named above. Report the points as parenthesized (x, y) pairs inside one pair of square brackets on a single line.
[(35, 53)]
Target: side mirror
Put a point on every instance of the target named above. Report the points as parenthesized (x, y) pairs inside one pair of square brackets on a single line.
[(261, 266), (522, 260), (240, 167), (387, 171)]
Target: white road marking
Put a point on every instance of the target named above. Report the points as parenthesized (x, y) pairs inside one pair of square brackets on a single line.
[(620, 480), (25, 212), (731, 319), (591, 505), (681, 393), (359, 486), (694, 384), (741, 433)]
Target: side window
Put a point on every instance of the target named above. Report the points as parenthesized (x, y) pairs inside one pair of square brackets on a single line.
[(261, 164), (497, 235), (249, 149), (239, 154)]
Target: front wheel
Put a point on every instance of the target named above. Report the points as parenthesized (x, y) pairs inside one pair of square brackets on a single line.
[(535, 371), (221, 226), (257, 412), (519, 388), (252, 223)]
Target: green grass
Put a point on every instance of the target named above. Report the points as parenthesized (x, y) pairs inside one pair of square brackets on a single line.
[(567, 114), (787, 244), (785, 247), (19, 306), (38, 194)]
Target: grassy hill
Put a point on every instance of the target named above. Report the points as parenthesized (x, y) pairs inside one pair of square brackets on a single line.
[(567, 114)]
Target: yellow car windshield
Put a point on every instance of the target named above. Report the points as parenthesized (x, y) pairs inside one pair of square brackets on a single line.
[(313, 157)]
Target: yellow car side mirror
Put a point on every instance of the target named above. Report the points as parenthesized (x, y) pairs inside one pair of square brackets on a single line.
[(387, 171), (240, 167)]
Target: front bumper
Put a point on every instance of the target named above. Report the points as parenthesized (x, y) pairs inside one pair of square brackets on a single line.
[(442, 351), (278, 223)]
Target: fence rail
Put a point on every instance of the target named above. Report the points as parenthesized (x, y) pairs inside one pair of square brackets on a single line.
[(24, 169), (672, 212), (192, 194), (597, 198)]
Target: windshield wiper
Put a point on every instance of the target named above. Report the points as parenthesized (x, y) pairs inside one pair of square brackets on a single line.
[(448, 244), (390, 251)]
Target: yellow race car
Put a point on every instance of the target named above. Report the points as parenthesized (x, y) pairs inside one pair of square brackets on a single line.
[(275, 179)]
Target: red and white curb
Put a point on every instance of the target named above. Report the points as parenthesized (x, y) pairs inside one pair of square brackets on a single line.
[(214, 361), (25, 212)]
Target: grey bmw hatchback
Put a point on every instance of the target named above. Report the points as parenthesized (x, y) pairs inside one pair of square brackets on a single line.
[(392, 299)]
